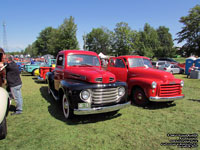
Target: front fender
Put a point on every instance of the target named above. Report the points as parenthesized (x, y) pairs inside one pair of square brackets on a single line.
[(144, 84), (3, 103)]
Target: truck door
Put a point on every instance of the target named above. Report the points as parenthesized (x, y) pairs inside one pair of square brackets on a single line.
[(118, 67), (59, 71)]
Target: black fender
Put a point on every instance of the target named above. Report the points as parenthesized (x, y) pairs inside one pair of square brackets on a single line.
[(72, 88), (50, 79)]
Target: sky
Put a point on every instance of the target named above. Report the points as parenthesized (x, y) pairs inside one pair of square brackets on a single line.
[(25, 19)]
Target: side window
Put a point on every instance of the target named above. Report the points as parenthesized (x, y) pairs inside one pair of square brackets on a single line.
[(60, 60), (112, 62), (119, 63)]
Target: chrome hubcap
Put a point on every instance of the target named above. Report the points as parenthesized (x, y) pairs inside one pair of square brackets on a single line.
[(139, 96)]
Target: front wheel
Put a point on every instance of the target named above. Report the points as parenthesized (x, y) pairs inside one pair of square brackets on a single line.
[(67, 111), (3, 129), (139, 98)]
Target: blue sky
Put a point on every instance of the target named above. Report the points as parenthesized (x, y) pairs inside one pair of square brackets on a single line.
[(25, 19)]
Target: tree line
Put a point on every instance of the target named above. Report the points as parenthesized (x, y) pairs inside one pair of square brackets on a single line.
[(122, 40)]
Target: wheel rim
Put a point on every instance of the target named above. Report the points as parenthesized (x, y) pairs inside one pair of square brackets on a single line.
[(65, 105), (139, 97)]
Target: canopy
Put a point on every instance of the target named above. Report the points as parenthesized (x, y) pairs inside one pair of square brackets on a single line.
[(101, 55)]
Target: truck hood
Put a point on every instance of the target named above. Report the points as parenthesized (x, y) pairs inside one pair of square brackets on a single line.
[(91, 74), (157, 75)]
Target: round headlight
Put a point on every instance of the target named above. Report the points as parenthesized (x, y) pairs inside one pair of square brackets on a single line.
[(153, 84), (85, 95), (182, 83), (121, 91)]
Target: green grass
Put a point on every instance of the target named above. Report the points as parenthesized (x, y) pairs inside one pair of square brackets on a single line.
[(42, 126), (180, 60)]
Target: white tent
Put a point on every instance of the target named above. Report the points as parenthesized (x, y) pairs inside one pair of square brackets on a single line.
[(101, 55)]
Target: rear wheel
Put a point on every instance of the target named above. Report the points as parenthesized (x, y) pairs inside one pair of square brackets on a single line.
[(67, 111), (3, 129), (33, 74), (139, 98)]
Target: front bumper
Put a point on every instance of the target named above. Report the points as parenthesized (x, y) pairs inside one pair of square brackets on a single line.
[(165, 99), (87, 111)]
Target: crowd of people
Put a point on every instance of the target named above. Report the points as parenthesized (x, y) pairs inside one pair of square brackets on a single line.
[(10, 79)]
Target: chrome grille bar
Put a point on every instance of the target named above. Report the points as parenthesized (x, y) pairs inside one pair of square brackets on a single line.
[(104, 96)]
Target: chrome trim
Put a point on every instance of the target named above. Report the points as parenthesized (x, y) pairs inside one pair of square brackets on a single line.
[(104, 96), (165, 99), (87, 111)]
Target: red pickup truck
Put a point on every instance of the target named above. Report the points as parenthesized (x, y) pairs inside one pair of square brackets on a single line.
[(83, 87), (145, 84)]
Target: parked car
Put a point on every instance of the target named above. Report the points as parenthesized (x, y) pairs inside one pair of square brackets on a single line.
[(157, 64), (172, 68), (31, 68), (83, 87), (145, 84)]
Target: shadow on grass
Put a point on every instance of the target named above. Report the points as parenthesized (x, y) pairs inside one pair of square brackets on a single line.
[(194, 100), (26, 74), (157, 105), (55, 109)]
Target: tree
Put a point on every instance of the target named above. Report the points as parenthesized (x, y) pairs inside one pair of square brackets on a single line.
[(190, 33), (67, 35), (147, 42), (98, 40), (32, 50), (122, 41), (43, 40), (166, 43)]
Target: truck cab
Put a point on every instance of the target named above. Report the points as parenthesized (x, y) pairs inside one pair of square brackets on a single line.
[(83, 87), (145, 83)]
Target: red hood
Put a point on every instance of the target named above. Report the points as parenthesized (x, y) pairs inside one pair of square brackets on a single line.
[(90, 74), (153, 74)]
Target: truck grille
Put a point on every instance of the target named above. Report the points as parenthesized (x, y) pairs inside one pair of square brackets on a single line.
[(168, 90), (104, 96)]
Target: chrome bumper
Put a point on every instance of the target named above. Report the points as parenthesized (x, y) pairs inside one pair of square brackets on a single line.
[(165, 99), (87, 111)]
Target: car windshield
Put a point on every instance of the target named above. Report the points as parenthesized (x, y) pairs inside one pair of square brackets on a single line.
[(82, 60), (139, 62)]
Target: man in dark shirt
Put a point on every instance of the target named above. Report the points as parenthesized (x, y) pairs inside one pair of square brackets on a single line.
[(14, 83)]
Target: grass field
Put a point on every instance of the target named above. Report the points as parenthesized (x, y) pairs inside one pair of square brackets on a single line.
[(43, 127)]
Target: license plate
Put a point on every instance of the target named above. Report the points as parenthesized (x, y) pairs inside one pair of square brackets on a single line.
[(83, 105)]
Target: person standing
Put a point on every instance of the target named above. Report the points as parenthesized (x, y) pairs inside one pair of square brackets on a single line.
[(14, 83)]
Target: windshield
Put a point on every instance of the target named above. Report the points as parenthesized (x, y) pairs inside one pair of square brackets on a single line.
[(139, 62), (82, 60)]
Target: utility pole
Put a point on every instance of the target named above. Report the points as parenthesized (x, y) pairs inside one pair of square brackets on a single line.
[(5, 46)]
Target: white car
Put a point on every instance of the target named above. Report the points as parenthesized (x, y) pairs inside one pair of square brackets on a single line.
[(174, 69), (157, 64), (3, 111)]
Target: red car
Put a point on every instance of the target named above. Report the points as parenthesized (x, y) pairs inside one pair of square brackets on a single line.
[(145, 83), (83, 87)]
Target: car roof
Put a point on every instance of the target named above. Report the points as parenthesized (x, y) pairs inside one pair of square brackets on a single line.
[(132, 56), (68, 52)]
